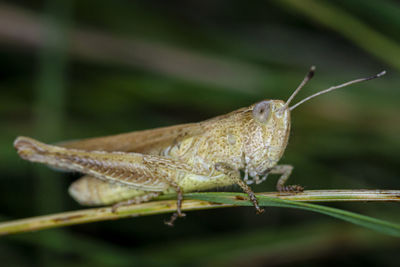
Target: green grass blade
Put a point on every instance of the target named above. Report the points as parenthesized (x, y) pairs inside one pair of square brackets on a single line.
[(242, 200), (201, 201)]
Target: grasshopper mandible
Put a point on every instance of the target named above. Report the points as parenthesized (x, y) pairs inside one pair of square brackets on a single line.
[(138, 166)]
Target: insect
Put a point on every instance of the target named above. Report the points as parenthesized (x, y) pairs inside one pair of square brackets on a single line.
[(138, 166)]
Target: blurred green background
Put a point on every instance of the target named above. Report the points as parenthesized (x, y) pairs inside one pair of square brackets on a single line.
[(74, 69)]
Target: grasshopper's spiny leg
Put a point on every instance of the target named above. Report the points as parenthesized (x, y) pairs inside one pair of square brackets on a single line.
[(285, 171), (130, 169), (178, 212), (235, 176)]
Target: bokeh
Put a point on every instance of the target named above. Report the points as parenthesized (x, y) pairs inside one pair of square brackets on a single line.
[(77, 69)]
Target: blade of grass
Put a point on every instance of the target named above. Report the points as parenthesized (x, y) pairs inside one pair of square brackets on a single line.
[(362, 220), (198, 201)]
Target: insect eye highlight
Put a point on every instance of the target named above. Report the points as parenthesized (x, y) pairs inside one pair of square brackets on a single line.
[(261, 111)]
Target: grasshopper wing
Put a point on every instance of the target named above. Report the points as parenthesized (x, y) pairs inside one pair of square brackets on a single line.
[(152, 141), (148, 141)]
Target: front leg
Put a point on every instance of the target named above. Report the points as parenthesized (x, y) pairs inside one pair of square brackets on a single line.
[(285, 171), (235, 176)]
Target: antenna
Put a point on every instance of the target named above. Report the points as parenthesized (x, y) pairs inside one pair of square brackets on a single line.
[(306, 79), (330, 89)]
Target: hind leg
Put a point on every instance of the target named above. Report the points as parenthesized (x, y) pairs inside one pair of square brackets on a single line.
[(135, 200)]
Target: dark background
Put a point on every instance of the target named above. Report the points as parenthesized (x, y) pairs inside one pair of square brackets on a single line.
[(89, 68)]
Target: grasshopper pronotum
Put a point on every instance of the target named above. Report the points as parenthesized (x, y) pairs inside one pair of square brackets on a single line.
[(138, 166)]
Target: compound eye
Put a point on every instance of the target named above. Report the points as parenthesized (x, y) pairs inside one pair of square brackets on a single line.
[(261, 111)]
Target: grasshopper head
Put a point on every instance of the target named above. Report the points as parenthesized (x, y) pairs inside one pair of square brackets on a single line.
[(270, 135)]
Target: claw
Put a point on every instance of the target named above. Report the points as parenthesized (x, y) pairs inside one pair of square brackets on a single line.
[(260, 211), (255, 203), (173, 218)]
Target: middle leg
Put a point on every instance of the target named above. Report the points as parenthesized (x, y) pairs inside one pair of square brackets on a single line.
[(235, 176)]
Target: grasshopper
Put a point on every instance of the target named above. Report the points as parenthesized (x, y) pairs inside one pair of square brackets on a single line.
[(139, 166)]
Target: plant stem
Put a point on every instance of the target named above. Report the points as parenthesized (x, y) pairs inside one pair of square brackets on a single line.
[(190, 203)]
